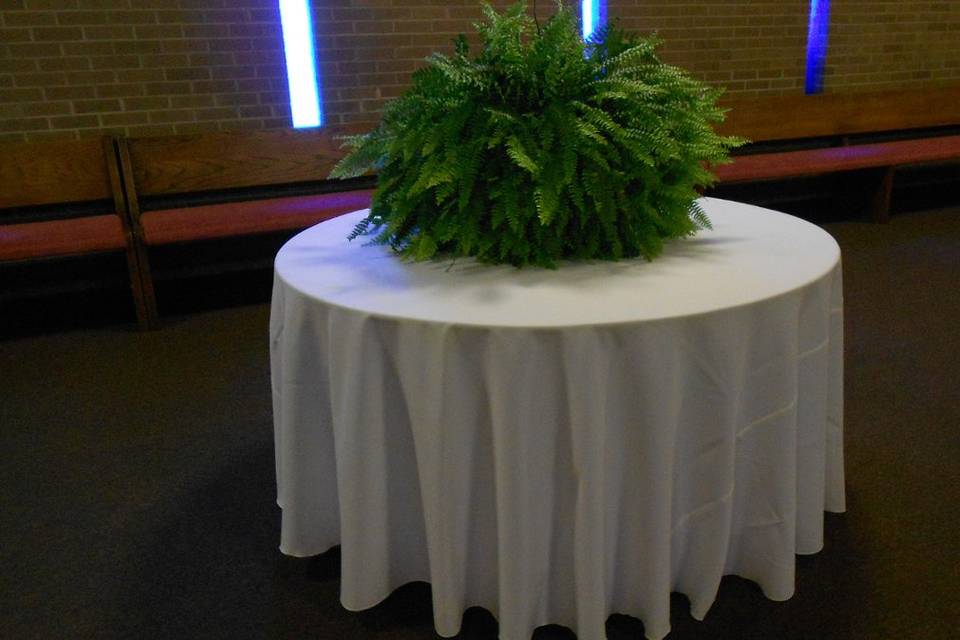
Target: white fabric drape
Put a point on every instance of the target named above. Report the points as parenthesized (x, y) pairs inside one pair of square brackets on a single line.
[(559, 462)]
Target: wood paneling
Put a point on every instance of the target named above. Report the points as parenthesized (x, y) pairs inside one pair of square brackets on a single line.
[(184, 164), (791, 117), (38, 173)]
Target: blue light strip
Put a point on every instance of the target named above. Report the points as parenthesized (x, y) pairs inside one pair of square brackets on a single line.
[(593, 16), (301, 63), (817, 31)]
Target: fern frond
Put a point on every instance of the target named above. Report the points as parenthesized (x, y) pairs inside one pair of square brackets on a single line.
[(539, 147), (519, 155)]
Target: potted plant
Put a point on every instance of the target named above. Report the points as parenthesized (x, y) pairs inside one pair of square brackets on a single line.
[(540, 148)]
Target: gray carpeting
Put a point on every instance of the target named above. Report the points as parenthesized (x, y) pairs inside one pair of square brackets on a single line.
[(137, 486)]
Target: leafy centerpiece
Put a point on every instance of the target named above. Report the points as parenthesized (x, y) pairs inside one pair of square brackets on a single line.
[(541, 147)]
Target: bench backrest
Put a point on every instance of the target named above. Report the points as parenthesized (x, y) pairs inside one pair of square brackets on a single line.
[(46, 173), (828, 115), (223, 161)]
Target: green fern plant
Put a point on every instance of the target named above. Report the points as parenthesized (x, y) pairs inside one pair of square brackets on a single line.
[(540, 148)]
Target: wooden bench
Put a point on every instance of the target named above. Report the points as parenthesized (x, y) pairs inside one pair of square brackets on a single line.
[(156, 168), (838, 119), (62, 199)]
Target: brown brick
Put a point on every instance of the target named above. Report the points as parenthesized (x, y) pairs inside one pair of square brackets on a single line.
[(88, 48), (90, 77), (219, 113), (228, 16), (252, 58), (179, 46), (273, 97), (187, 128), (236, 99), (174, 16), (149, 130), (197, 31), (192, 102), (119, 90), (270, 71), (173, 115), (18, 66), (111, 32), (255, 30), (244, 125), (81, 17), (276, 123), (270, 15), (188, 73), (96, 106), (56, 136), (33, 50), (115, 62), (57, 34), (124, 119), (230, 44), (233, 73), (146, 104), (23, 124), (97, 4), (214, 86), (64, 64), (50, 108), (41, 79), (165, 60), (116, 132), (167, 88), (69, 93), (139, 75), (137, 47), (147, 32), (265, 44), (210, 59), (19, 34), (261, 111), (132, 17), (74, 122), (253, 85), (12, 110), (28, 18)]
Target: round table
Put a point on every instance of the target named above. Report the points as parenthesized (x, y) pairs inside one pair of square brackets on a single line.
[(560, 445)]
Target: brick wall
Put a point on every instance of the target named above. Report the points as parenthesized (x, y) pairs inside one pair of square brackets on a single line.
[(748, 47), (140, 67), (368, 48), (892, 44), (150, 67)]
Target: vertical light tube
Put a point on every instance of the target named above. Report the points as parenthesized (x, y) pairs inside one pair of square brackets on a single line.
[(592, 14), (301, 63), (817, 31)]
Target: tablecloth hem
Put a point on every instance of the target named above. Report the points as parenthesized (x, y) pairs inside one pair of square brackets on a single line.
[(306, 554), (694, 613)]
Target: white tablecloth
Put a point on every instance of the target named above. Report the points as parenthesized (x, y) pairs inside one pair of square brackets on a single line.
[(558, 446)]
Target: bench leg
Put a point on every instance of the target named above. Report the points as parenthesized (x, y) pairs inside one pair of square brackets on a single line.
[(136, 288), (866, 191), (141, 285), (149, 297), (880, 200)]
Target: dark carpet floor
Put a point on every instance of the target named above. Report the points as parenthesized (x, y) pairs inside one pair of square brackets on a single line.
[(137, 488)]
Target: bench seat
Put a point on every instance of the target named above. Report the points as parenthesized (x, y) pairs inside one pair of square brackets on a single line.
[(245, 218), (793, 164), (79, 177), (69, 237)]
